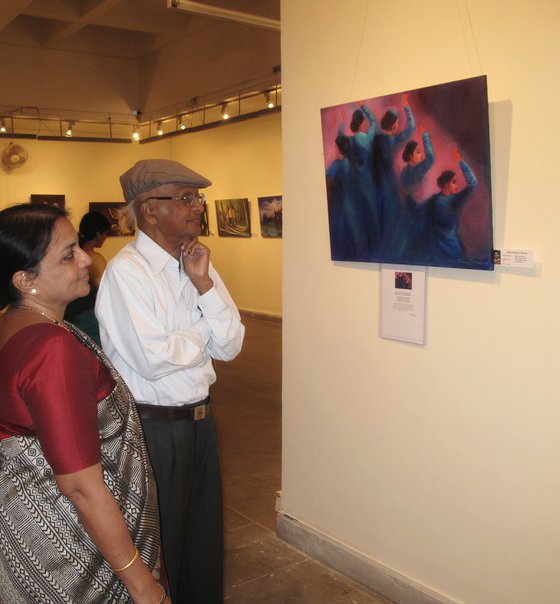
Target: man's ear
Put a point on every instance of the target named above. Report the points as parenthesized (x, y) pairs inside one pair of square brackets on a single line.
[(23, 282), (147, 212)]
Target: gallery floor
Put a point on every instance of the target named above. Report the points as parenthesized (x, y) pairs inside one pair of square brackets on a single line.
[(260, 568)]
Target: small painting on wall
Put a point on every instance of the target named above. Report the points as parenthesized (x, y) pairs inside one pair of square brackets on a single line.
[(233, 217), (408, 177), (58, 201), (113, 211), (270, 214), (204, 224)]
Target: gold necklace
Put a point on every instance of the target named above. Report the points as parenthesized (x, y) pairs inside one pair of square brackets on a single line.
[(23, 307)]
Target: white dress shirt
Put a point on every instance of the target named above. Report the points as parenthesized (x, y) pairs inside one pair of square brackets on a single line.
[(159, 332)]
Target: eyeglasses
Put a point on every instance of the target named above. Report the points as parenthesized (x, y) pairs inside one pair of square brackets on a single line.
[(189, 198)]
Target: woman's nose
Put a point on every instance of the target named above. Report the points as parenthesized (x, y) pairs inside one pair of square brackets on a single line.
[(85, 259)]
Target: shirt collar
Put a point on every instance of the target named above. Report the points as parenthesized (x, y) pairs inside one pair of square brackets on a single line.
[(156, 256)]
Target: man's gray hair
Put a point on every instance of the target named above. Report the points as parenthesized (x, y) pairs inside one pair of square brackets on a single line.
[(129, 214)]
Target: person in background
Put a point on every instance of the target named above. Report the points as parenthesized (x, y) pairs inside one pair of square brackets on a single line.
[(78, 501), (164, 314), (94, 227)]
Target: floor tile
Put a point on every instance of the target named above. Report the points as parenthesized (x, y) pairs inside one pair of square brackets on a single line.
[(253, 551), (305, 582)]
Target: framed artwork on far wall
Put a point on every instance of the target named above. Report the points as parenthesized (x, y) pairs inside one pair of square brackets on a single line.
[(112, 210), (204, 224), (270, 214), (233, 217), (58, 201)]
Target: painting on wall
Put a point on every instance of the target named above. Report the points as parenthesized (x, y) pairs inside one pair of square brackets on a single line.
[(270, 214), (113, 211), (408, 177), (233, 217), (204, 223), (58, 201)]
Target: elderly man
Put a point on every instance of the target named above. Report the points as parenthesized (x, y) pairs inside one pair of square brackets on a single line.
[(164, 314)]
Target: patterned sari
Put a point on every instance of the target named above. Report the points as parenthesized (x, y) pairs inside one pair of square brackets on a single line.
[(45, 554)]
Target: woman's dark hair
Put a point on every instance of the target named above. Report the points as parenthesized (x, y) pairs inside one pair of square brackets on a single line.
[(444, 178), (357, 120), (25, 236), (91, 224), (388, 120), (409, 150)]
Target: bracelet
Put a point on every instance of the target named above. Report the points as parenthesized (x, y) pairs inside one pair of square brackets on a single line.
[(120, 570), (163, 593)]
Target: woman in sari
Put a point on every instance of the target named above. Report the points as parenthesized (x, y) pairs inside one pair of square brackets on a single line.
[(78, 504)]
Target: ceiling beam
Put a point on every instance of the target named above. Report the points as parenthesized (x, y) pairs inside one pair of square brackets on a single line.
[(223, 14), (86, 18), (10, 9)]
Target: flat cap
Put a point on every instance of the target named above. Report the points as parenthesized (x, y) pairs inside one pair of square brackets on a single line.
[(147, 174)]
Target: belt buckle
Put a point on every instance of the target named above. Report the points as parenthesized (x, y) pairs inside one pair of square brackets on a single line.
[(199, 412)]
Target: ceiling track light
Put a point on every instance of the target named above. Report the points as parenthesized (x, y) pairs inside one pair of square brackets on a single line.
[(268, 100), (189, 116)]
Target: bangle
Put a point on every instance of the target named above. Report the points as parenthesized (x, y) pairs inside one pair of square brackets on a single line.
[(120, 570), (163, 593)]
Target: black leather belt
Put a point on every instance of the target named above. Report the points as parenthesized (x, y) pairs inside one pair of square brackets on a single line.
[(193, 412)]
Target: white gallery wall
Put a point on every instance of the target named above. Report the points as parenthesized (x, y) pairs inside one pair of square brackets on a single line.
[(438, 463), (241, 160)]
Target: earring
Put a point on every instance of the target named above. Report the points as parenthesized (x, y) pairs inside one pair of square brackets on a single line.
[(34, 291)]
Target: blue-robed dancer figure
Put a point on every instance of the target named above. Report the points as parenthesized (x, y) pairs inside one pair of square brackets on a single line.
[(447, 205), (418, 161), (343, 220), (385, 146), (411, 242), (353, 216)]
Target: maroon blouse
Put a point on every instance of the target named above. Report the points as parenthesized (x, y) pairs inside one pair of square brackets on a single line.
[(50, 387)]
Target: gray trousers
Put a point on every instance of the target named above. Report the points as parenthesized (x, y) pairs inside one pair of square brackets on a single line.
[(184, 456)]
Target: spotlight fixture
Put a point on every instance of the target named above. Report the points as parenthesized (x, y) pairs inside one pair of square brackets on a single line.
[(2, 126), (225, 114), (159, 129), (69, 129), (180, 123), (135, 133), (269, 101)]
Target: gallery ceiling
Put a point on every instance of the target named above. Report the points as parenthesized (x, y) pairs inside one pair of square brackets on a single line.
[(122, 28), (135, 30)]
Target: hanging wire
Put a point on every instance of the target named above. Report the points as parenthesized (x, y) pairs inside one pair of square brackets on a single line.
[(474, 38), (467, 28), (359, 50)]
